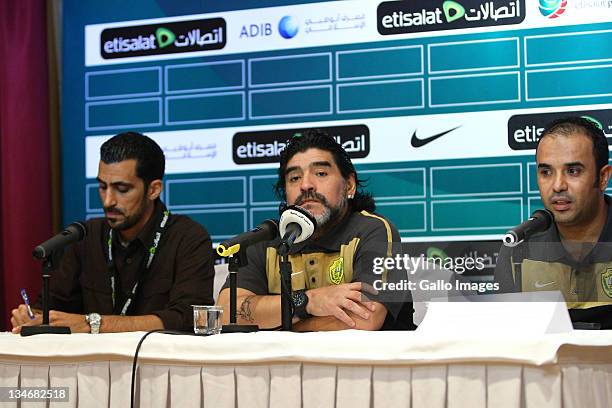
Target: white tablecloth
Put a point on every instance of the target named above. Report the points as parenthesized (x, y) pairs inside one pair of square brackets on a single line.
[(351, 368)]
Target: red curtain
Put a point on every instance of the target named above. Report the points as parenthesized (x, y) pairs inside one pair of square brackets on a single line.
[(25, 190)]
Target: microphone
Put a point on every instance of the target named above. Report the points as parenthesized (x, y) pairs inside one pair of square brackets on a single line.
[(265, 231), (539, 221), (72, 233), (296, 225)]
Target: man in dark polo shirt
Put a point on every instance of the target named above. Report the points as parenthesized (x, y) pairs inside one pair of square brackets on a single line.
[(574, 255), (140, 268), (333, 270)]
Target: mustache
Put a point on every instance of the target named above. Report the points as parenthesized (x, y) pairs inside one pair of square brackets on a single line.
[(563, 197), (113, 210), (311, 195)]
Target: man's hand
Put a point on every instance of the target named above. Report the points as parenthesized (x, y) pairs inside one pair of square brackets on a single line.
[(76, 322), (20, 317), (337, 300)]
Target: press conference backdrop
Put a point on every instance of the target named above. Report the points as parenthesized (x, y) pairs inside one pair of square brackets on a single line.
[(439, 102)]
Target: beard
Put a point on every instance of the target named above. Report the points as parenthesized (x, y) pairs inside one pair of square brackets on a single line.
[(328, 213), (128, 221)]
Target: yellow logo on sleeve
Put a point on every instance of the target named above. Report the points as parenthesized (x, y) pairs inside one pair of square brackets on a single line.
[(336, 271), (606, 282)]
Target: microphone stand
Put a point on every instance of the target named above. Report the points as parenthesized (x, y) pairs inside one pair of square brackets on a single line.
[(286, 300), (45, 328), (235, 262)]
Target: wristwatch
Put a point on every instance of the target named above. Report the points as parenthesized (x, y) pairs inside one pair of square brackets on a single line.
[(300, 300), (94, 320)]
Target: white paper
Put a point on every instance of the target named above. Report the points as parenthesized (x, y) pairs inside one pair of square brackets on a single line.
[(528, 313)]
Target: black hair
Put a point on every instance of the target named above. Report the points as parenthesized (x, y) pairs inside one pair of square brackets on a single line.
[(319, 139), (150, 160), (582, 125)]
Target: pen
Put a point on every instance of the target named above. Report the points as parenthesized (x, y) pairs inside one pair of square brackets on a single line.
[(26, 300)]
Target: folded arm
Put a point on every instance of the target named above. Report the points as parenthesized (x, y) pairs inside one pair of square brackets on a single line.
[(77, 323), (337, 307)]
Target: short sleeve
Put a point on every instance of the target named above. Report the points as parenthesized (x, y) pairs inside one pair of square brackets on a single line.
[(252, 276), (380, 241)]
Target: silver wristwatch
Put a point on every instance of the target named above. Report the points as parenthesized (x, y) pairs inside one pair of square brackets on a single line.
[(94, 320)]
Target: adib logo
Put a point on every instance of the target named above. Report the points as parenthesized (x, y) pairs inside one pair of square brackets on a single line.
[(288, 27), (552, 8), (256, 30)]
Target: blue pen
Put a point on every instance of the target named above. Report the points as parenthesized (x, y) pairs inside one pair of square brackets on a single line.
[(26, 300)]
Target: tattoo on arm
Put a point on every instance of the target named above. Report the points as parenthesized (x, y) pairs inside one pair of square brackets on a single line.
[(246, 308)]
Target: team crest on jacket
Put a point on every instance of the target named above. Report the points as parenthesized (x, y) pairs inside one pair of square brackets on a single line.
[(336, 271), (606, 282)]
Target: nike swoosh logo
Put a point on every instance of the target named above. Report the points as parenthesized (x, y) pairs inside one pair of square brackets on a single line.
[(416, 142), (540, 285)]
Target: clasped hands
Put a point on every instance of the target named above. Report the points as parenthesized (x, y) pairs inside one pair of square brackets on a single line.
[(344, 302)]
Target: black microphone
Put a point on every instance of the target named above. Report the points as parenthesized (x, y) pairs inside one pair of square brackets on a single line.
[(539, 221), (72, 233), (296, 225), (265, 231)]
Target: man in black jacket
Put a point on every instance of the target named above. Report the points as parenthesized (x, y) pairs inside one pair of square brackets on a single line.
[(140, 268)]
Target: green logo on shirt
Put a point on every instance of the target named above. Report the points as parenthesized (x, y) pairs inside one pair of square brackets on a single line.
[(336, 271), (606, 282)]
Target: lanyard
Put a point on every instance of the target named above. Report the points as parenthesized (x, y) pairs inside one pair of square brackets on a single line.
[(112, 268)]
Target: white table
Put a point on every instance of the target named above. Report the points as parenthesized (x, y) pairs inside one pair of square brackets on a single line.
[(344, 369)]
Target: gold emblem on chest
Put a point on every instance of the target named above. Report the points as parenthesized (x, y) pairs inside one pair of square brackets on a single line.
[(336, 271)]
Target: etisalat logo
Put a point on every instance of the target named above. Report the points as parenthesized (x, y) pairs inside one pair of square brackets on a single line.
[(552, 8), (266, 146), (524, 131), (400, 17), (168, 38)]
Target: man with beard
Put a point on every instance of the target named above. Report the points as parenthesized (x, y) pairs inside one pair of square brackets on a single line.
[(333, 270), (574, 255), (140, 268)]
